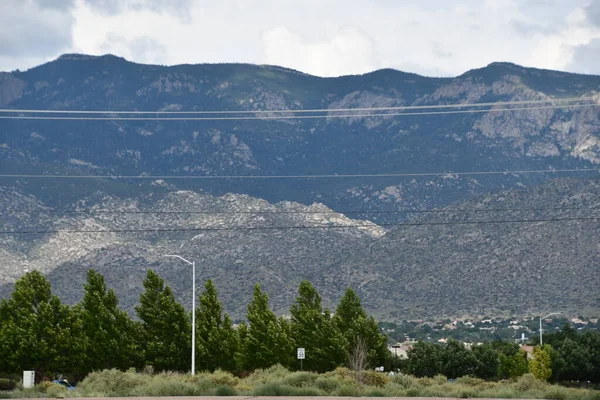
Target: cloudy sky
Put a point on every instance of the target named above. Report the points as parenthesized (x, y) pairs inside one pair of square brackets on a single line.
[(320, 37)]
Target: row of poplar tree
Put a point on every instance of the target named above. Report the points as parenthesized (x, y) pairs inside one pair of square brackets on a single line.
[(38, 332)]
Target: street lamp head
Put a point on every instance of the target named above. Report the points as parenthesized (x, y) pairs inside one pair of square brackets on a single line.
[(554, 313), (179, 257)]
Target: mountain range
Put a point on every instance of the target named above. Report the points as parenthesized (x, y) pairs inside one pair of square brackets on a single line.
[(335, 231)]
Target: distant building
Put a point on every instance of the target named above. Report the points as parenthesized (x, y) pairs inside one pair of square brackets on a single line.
[(400, 350), (529, 350)]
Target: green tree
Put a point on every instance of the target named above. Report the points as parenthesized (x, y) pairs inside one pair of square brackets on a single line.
[(265, 342), (487, 361), (360, 330), (37, 331), (111, 337), (216, 341), (166, 326), (513, 365), (313, 329), (576, 363), (541, 364), (456, 360), (424, 359)]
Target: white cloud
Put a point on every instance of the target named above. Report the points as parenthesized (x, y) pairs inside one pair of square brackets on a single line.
[(322, 37), (33, 32), (348, 51), (141, 49)]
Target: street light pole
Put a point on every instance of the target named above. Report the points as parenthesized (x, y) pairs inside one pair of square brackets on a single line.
[(193, 264), (541, 330)]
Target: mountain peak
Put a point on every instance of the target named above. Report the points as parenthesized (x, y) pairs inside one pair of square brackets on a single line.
[(80, 57)]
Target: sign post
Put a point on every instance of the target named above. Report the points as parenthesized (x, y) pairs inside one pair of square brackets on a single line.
[(301, 356)]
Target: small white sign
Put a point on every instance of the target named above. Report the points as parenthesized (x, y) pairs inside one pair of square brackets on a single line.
[(301, 354), (28, 379)]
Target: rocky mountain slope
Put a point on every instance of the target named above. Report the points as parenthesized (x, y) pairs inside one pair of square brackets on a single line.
[(451, 265), (237, 240), (525, 139), (410, 271), (433, 265)]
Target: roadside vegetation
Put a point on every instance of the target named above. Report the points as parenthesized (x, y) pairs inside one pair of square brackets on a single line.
[(278, 381)]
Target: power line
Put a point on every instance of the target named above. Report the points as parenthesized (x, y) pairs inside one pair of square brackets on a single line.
[(285, 117), (322, 176), (298, 227), (396, 211), (397, 108)]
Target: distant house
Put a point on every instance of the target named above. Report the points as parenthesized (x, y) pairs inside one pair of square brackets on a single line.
[(529, 350), (400, 350)]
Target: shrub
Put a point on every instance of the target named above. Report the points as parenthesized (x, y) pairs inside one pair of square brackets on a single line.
[(299, 379), (394, 390), (440, 379), (274, 389), (6, 384), (375, 393), (329, 384), (168, 385), (470, 381), (529, 382), (405, 381), (348, 391), (557, 393), (372, 378), (224, 378), (225, 390), (467, 393), (271, 374), (43, 386), (113, 382), (591, 395), (413, 392), (56, 391)]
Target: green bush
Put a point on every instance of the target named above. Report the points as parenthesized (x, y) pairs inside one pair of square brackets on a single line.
[(6, 384), (375, 393), (393, 389), (591, 395), (272, 374), (470, 381), (440, 379), (225, 390), (557, 393), (43, 386), (467, 393), (329, 384), (169, 386), (224, 378), (299, 379), (113, 382), (348, 391), (413, 392), (372, 378), (529, 382), (56, 390), (405, 381)]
